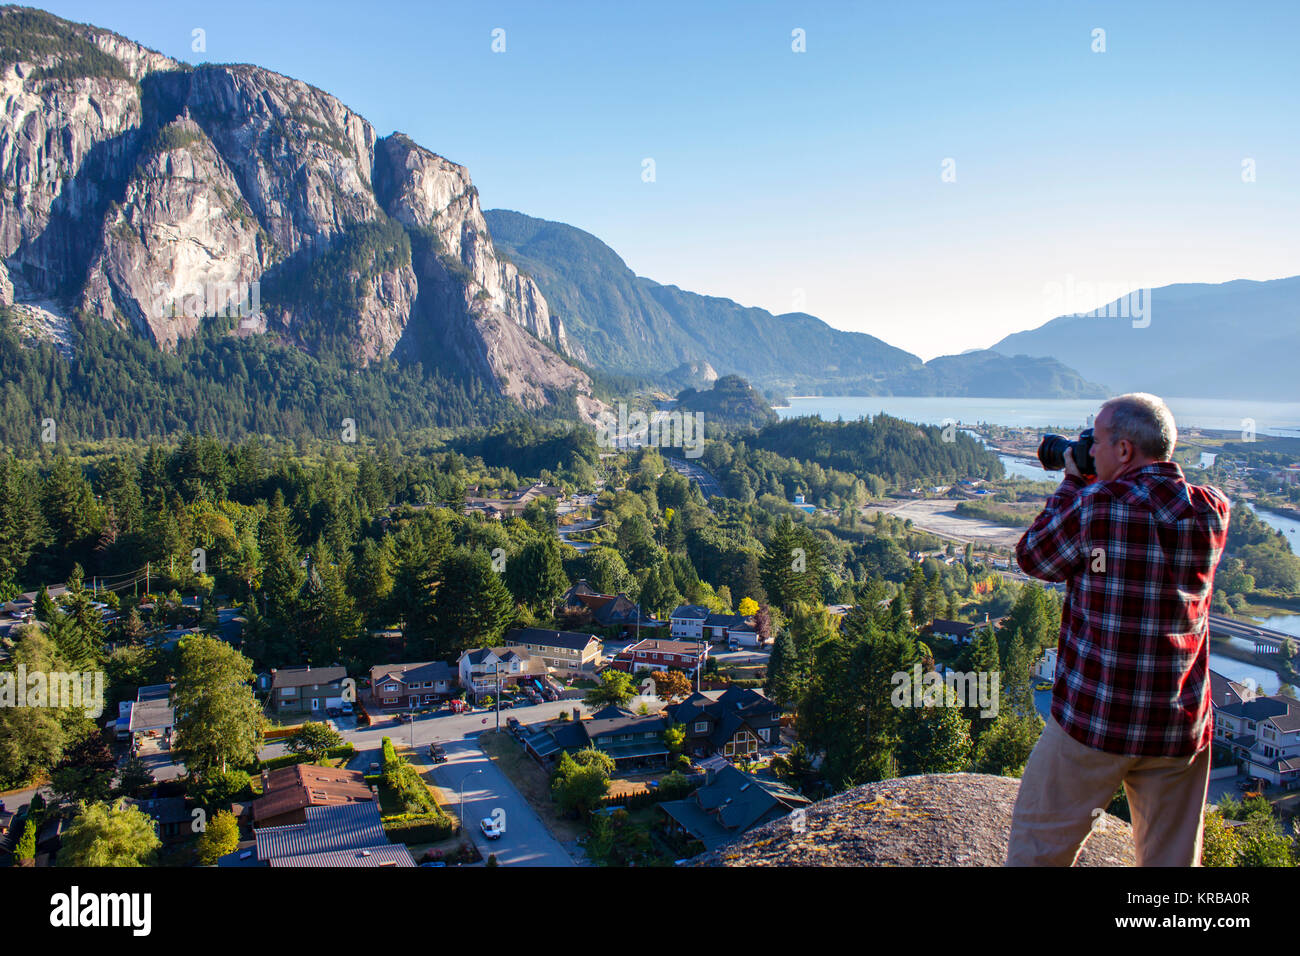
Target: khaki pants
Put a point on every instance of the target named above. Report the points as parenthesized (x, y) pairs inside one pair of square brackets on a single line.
[(1065, 781)]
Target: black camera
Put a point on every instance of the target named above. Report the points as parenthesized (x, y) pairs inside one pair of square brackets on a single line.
[(1051, 452)]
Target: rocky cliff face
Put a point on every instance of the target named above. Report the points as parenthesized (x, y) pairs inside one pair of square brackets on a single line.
[(146, 192), (960, 819)]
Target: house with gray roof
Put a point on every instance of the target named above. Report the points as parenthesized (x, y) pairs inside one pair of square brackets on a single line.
[(1263, 733), (306, 690), (633, 740), (733, 722), (729, 804), (349, 834), (413, 685)]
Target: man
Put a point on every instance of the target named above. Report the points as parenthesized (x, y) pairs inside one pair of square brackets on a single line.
[(1137, 548)]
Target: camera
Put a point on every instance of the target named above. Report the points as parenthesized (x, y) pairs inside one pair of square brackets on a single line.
[(1051, 452)]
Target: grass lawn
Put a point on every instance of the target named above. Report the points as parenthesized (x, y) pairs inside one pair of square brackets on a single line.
[(531, 781)]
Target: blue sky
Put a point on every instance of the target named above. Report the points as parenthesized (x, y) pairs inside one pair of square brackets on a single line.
[(813, 180)]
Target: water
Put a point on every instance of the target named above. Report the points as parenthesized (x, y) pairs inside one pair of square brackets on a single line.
[(1288, 623), (1265, 680), (1270, 418), (1024, 468), (1289, 527)]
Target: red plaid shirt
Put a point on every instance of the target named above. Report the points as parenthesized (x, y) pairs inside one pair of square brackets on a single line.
[(1138, 556)]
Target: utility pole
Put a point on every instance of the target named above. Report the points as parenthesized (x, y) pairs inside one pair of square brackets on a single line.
[(497, 669), (462, 796)]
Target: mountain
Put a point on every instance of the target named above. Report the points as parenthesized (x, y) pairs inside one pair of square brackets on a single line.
[(156, 197), (1237, 339), (731, 401), (625, 322)]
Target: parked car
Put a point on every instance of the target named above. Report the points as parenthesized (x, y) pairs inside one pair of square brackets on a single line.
[(333, 712), (404, 718), (506, 704), (437, 753), (490, 828), (346, 709)]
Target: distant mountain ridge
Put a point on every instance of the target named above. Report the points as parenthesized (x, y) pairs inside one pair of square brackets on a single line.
[(625, 322), (1233, 340)]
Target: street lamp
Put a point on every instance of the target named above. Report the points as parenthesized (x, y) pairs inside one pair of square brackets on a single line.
[(462, 796)]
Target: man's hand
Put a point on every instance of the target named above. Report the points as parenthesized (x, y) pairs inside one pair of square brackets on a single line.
[(1070, 467)]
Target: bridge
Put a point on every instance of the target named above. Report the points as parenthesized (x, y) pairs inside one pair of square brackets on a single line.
[(1265, 639)]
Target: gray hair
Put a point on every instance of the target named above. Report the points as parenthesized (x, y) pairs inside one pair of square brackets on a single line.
[(1146, 421)]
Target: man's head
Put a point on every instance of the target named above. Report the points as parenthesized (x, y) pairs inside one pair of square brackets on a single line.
[(1131, 431)]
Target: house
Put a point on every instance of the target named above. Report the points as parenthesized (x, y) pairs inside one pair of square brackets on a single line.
[(510, 504), (687, 622), (615, 612), (659, 655), (486, 671), (733, 722), (569, 653), (346, 835), (172, 820), (1263, 733), (412, 685), (697, 623), (803, 505), (287, 793), (1045, 668), (306, 690), (729, 804), (633, 740), (960, 631), (151, 712)]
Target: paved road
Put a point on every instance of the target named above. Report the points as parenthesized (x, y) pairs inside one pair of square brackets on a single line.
[(709, 485), (526, 842)]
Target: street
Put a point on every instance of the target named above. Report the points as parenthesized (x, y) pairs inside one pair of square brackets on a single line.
[(526, 841)]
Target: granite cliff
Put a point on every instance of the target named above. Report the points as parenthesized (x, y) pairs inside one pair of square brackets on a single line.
[(155, 196)]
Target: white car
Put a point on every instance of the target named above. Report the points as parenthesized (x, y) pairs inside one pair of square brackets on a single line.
[(491, 829)]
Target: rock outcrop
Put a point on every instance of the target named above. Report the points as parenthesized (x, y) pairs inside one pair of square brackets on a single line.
[(958, 819), (141, 190)]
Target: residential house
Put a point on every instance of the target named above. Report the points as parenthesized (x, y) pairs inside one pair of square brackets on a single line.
[(729, 804), (151, 712), (172, 820), (1263, 733), (413, 685), (1045, 668), (569, 653), (695, 622), (306, 690), (633, 740), (289, 791), (660, 655), (732, 722), (485, 671), (612, 612), (344, 835), (687, 622)]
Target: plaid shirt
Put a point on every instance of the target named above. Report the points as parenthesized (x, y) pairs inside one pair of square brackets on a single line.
[(1138, 555)]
